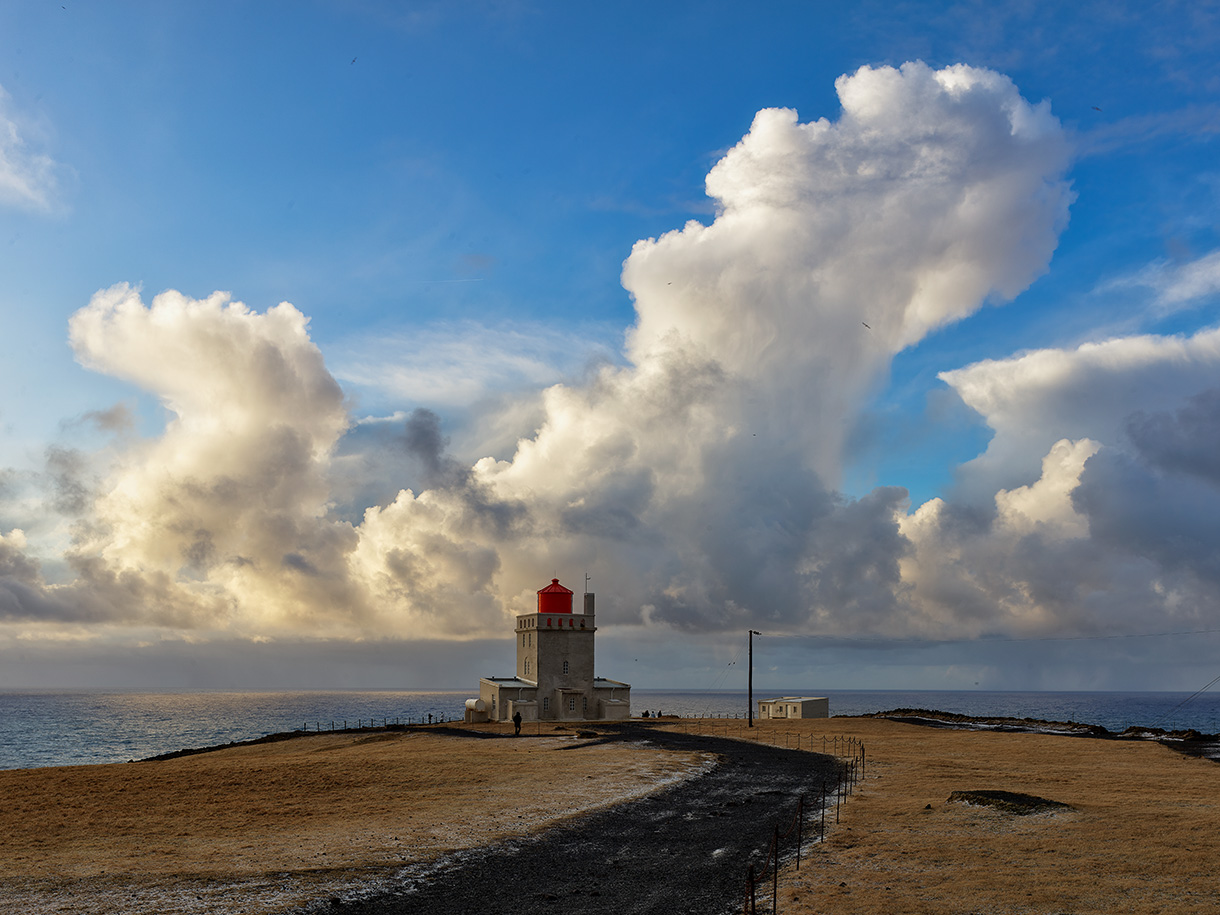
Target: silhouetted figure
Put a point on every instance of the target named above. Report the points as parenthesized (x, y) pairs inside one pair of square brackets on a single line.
[(429, 718), (516, 724)]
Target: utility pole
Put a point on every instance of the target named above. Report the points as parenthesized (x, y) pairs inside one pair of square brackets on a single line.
[(750, 694)]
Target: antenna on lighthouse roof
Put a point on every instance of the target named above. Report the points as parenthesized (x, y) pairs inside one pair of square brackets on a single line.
[(586, 582)]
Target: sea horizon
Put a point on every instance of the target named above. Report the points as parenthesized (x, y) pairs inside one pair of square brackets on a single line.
[(48, 727)]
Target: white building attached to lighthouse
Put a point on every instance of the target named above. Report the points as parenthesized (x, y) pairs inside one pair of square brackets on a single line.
[(554, 679)]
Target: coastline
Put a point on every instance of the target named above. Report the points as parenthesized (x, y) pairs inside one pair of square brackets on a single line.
[(1189, 740), (54, 728), (256, 840)]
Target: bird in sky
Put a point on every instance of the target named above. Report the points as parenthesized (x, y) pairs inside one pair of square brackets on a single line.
[(1095, 108), (866, 325)]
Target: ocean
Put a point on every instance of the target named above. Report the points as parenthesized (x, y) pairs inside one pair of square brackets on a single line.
[(62, 728)]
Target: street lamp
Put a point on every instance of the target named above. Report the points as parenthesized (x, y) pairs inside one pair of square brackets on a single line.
[(750, 694)]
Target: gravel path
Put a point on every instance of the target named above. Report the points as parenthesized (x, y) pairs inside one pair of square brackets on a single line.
[(683, 850)]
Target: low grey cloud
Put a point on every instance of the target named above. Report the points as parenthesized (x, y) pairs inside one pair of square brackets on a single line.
[(70, 493), (1185, 441)]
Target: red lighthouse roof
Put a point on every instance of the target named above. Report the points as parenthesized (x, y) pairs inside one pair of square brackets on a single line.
[(554, 598)]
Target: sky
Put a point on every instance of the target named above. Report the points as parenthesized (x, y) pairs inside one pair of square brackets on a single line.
[(330, 332)]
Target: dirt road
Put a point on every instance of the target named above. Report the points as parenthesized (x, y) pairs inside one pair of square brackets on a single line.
[(684, 850)]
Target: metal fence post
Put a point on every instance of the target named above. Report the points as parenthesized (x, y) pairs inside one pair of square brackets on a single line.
[(839, 794), (822, 824), (800, 824), (775, 873)]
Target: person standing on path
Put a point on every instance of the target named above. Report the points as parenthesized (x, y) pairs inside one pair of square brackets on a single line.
[(516, 724)]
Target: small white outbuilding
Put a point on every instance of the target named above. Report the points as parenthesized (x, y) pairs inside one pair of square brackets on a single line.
[(794, 707)]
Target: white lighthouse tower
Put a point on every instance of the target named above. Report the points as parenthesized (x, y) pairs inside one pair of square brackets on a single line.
[(554, 679)]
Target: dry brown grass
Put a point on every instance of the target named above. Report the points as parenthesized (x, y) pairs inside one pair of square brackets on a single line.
[(1143, 836), (256, 828)]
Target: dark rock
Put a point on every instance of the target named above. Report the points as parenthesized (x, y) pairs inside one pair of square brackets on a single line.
[(1008, 801)]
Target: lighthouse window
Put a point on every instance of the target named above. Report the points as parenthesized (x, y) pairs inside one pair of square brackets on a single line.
[(546, 703), (565, 667), (572, 704), (527, 668), (584, 703)]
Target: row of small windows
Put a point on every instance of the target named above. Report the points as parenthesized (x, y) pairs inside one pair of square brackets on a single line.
[(546, 704), (584, 703), (527, 667), (529, 623)]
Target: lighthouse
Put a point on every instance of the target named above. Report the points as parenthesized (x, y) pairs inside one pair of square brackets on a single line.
[(555, 678)]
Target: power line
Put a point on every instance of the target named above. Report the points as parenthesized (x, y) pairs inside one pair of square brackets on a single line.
[(883, 640), (1187, 699), (725, 672)]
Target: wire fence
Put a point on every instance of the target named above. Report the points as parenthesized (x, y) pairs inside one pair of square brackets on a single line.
[(343, 724), (848, 773), (829, 796), (785, 846), (826, 744)]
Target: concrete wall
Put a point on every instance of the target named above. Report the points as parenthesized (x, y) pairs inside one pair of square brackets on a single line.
[(545, 641), (498, 696), (527, 707), (613, 709)]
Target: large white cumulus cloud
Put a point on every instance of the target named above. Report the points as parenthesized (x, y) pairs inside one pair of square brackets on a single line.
[(1035, 399), (1120, 531), (697, 482), (933, 192), (231, 501), (699, 479)]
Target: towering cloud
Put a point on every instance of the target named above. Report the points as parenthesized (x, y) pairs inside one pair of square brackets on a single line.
[(698, 479), (222, 520), (702, 475)]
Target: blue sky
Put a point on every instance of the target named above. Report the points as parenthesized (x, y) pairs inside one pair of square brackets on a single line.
[(449, 194)]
